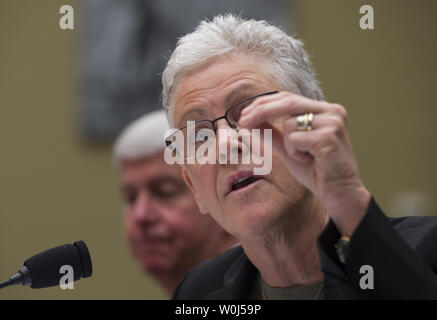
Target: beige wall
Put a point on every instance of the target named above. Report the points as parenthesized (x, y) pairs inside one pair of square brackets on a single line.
[(56, 189)]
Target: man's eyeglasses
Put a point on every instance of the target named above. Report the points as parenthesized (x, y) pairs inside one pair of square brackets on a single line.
[(203, 128)]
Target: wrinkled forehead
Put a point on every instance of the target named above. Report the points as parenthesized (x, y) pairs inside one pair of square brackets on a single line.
[(211, 88)]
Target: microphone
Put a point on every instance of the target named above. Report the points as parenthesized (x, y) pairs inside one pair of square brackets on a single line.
[(43, 269)]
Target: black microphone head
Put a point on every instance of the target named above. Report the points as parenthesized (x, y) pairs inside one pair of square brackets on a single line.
[(44, 268)]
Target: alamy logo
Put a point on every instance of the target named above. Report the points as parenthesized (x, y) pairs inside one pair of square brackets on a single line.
[(67, 280), (367, 20), (67, 20), (366, 281), (198, 145)]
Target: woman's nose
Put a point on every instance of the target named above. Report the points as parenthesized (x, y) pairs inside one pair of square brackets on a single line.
[(144, 209), (231, 144)]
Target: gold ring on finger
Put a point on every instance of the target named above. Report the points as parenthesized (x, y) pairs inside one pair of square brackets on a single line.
[(305, 122)]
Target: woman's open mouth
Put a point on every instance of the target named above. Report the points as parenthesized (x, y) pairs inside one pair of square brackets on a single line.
[(240, 181)]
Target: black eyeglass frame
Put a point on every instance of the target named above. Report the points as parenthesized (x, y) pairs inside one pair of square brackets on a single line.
[(168, 140)]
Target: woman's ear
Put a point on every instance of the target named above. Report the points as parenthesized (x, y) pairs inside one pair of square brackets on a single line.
[(190, 185)]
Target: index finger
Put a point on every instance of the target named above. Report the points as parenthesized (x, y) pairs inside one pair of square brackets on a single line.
[(289, 105)]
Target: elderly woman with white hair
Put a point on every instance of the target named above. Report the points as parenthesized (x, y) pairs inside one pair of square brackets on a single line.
[(309, 229), (165, 230)]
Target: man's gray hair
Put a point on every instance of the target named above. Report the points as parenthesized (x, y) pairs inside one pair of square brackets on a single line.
[(289, 63), (142, 138)]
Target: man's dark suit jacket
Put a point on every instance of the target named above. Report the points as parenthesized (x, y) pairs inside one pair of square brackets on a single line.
[(402, 252)]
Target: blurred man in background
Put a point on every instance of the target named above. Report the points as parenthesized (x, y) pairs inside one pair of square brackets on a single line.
[(166, 232)]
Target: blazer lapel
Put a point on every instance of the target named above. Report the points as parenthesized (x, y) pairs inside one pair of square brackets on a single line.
[(335, 284), (238, 280)]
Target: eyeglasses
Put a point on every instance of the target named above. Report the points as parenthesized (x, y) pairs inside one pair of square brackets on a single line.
[(203, 129)]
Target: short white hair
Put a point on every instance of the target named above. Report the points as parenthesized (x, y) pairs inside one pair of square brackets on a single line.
[(289, 63), (142, 138)]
